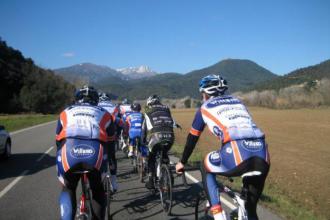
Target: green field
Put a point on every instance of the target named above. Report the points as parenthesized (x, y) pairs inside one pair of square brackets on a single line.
[(16, 122), (298, 183)]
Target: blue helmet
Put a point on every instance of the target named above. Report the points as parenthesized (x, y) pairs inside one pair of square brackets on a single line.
[(213, 85)]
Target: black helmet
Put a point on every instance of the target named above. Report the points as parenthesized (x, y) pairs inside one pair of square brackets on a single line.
[(87, 94), (136, 107), (104, 97), (152, 100)]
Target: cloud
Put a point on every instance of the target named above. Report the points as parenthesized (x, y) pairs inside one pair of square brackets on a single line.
[(68, 54)]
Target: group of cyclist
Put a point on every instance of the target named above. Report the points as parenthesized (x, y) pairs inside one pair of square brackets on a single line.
[(87, 133)]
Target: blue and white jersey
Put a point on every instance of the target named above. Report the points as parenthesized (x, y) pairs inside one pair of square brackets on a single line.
[(85, 122), (227, 118), (109, 106), (134, 122)]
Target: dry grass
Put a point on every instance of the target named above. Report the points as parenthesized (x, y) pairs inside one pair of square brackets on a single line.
[(299, 150)]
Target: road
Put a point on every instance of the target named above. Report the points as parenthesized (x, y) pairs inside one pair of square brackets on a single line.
[(29, 188)]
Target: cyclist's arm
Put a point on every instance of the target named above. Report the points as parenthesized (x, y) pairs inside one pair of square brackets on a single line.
[(58, 131), (144, 131), (111, 129), (193, 136)]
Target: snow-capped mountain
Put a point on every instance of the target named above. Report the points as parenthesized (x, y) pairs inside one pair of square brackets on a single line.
[(137, 72)]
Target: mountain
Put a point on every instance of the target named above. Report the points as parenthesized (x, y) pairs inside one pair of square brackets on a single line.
[(296, 77), (137, 72), (89, 73), (240, 74)]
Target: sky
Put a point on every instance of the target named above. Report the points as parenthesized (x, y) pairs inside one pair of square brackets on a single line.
[(168, 35)]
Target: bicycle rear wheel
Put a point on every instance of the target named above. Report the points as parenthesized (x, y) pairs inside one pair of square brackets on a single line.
[(141, 167), (202, 207), (165, 188), (108, 192), (85, 205)]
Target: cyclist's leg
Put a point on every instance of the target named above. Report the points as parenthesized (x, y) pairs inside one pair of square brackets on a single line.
[(254, 186), (152, 161), (113, 165), (210, 184), (216, 162), (98, 199), (69, 182), (254, 154)]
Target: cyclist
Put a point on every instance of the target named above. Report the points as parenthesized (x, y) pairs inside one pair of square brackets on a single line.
[(124, 111), (83, 131), (243, 151), (105, 102), (134, 128), (158, 126)]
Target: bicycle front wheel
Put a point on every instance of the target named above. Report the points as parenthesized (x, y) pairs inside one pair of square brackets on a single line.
[(165, 188)]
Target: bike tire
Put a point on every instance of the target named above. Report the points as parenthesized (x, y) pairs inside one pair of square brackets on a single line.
[(86, 191), (165, 188), (108, 192), (141, 167), (202, 211)]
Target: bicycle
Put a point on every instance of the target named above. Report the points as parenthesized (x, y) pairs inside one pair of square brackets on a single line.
[(141, 164), (163, 182), (108, 191), (134, 157), (84, 210), (238, 211)]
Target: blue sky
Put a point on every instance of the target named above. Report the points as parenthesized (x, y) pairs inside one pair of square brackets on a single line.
[(169, 35)]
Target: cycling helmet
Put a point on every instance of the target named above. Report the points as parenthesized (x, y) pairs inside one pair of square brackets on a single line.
[(154, 99), (104, 97), (124, 102), (87, 94), (213, 85), (136, 107)]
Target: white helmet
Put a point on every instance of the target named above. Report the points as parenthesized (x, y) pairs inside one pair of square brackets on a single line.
[(213, 85)]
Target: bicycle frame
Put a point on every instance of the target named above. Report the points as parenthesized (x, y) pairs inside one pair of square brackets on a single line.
[(238, 201), (85, 208)]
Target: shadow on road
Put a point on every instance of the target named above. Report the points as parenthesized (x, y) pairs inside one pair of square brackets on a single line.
[(18, 163)]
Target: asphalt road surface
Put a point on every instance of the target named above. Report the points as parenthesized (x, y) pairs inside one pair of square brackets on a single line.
[(29, 188)]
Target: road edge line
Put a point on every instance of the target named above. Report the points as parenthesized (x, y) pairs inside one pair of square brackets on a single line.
[(17, 179), (29, 128)]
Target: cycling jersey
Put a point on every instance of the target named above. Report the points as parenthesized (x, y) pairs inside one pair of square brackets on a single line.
[(227, 118), (85, 122), (134, 123), (113, 110), (110, 107)]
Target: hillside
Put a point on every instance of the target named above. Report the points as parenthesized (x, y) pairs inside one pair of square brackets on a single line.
[(89, 73), (25, 87), (240, 74), (297, 77)]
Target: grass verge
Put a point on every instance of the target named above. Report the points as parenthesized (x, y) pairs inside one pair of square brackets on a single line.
[(16, 122), (272, 197)]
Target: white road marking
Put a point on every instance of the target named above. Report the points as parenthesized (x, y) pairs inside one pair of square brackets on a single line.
[(29, 128), (13, 183), (42, 156), (17, 179), (223, 200)]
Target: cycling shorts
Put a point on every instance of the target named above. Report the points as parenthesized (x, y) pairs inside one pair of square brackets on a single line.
[(80, 155), (236, 154)]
